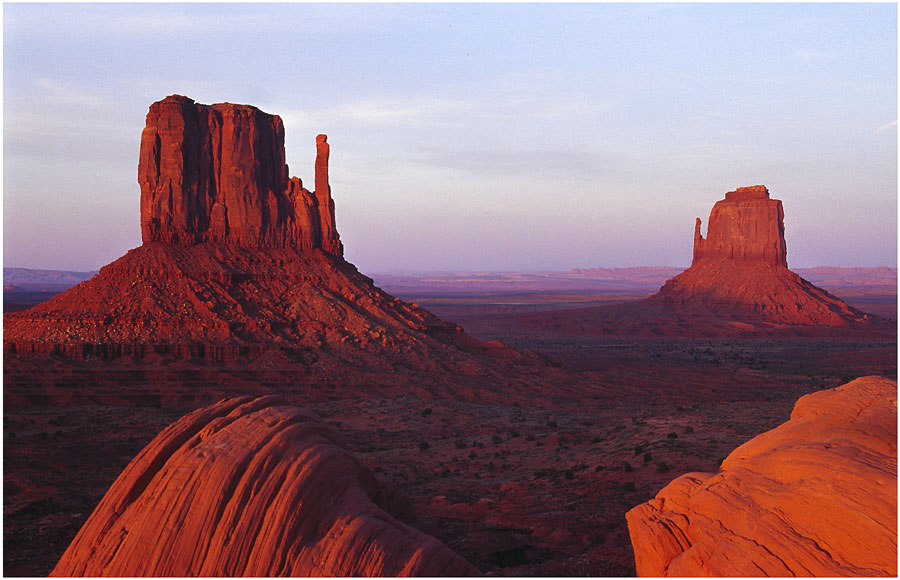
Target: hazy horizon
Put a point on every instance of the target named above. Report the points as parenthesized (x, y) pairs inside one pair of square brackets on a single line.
[(469, 137)]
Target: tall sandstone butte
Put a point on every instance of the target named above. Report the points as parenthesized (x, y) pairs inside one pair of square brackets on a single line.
[(816, 496), (740, 270), (217, 173), (252, 487), (238, 259)]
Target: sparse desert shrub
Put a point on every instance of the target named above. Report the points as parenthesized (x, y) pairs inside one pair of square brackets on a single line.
[(529, 437), (496, 438), (638, 449), (662, 467), (445, 472), (513, 433), (627, 467), (460, 444), (427, 411), (552, 424), (672, 435), (688, 429), (599, 468), (648, 458), (569, 474), (629, 486), (424, 446), (472, 455), (596, 439), (378, 469)]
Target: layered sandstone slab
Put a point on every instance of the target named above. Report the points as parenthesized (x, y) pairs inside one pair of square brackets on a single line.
[(740, 270), (251, 487), (817, 496), (217, 173)]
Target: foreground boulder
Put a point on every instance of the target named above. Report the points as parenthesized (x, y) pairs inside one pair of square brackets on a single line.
[(816, 496), (251, 487)]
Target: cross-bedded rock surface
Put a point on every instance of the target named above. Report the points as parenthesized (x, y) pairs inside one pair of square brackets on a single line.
[(252, 487), (816, 496)]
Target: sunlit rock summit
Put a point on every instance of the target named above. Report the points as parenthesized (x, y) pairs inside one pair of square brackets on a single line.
[(237, 257)]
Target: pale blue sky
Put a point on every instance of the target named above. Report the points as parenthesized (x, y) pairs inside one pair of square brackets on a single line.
[(473, 136)]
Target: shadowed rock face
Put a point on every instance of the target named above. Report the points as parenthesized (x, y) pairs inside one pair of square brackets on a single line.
[(740, 270), (251, 487), (816, 496), (217, 173)]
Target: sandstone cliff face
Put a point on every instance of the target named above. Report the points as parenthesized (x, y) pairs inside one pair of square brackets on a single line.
[(251, 487), (740, 270), (816, 496), (217, 173), (745, 226)]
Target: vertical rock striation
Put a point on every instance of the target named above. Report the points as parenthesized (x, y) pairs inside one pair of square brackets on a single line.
[(745, 226), (217, 173)]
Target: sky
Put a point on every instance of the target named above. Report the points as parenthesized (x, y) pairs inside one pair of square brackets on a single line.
[(472, 137)]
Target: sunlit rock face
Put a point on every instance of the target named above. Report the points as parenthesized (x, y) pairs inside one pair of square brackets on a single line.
[(252, 487), (217, 173), (740, 269), (816, 496)]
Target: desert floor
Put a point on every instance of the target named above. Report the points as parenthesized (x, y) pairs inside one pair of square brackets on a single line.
[(519, 485)]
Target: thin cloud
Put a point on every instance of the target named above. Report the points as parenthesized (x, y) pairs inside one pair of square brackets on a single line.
[(888, 127)]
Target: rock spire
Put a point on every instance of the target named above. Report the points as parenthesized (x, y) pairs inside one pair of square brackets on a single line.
[(217, 173)]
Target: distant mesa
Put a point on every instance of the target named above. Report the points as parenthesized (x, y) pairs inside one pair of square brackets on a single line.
[(253, 487), (816, 496), (236, 257), (740, 269)]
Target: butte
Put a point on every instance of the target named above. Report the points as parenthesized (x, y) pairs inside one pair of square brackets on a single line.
[(738, 284), (240, 262)]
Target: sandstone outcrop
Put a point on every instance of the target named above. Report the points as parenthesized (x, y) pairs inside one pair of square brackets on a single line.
[(740, 270), (217, 173), (236, 257), (251, 487), (816, 496)]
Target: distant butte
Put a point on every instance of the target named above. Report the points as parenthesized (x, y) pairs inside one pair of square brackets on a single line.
[(740, 269), (237, 258)]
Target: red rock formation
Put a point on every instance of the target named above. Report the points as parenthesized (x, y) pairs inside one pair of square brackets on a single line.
[(251, 487), (236, 258), (816, 496), (217, 174), (740, 270), (746, 225)]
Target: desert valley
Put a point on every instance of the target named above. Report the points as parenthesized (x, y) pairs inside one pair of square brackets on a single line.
[(234, 398)]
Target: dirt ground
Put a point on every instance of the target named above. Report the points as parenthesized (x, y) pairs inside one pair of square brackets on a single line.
[(520, 484)]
